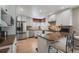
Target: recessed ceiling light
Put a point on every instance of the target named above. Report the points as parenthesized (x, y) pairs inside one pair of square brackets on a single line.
[(63, 7), (21, 9), (40, 10)]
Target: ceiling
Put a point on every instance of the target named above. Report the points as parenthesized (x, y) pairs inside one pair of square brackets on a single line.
[(40, 11)]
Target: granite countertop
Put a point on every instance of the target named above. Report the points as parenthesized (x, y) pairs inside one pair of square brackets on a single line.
[(53, 36), (4, 50), (9, 40)]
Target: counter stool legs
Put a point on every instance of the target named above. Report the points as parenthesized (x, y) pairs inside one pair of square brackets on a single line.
[(49, 49), (57, 51)]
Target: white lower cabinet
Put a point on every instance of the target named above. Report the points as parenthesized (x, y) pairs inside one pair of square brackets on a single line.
[(42, 45), (37, 32), (33, 33), (27, 33)]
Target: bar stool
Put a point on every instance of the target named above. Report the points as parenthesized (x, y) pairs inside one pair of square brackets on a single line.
[(66, 45)]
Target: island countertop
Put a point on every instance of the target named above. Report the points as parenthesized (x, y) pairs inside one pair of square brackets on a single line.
[(54, 36), (9, 40), (4, 50)]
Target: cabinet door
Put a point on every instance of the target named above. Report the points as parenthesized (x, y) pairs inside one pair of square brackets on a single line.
[(42, 45), (27, 33), (31, 33), (35, 33), (64, 18), (38, 32)]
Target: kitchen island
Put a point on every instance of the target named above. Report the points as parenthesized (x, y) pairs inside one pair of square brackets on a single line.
[(9, 44), (45, 40), (53, 36)]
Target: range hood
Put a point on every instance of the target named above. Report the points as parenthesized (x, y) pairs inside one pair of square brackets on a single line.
[(3, 23)]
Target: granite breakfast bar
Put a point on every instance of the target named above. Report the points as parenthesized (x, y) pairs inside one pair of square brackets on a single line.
[(8, 45), (45, 40)]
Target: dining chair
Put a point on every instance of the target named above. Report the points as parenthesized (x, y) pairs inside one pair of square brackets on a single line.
[(65, 44)]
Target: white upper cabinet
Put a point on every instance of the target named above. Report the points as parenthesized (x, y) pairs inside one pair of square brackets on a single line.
[(64, 18), (18, 18), (21, 18)]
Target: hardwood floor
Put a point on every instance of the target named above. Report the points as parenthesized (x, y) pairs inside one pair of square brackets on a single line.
[(28, 45)]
